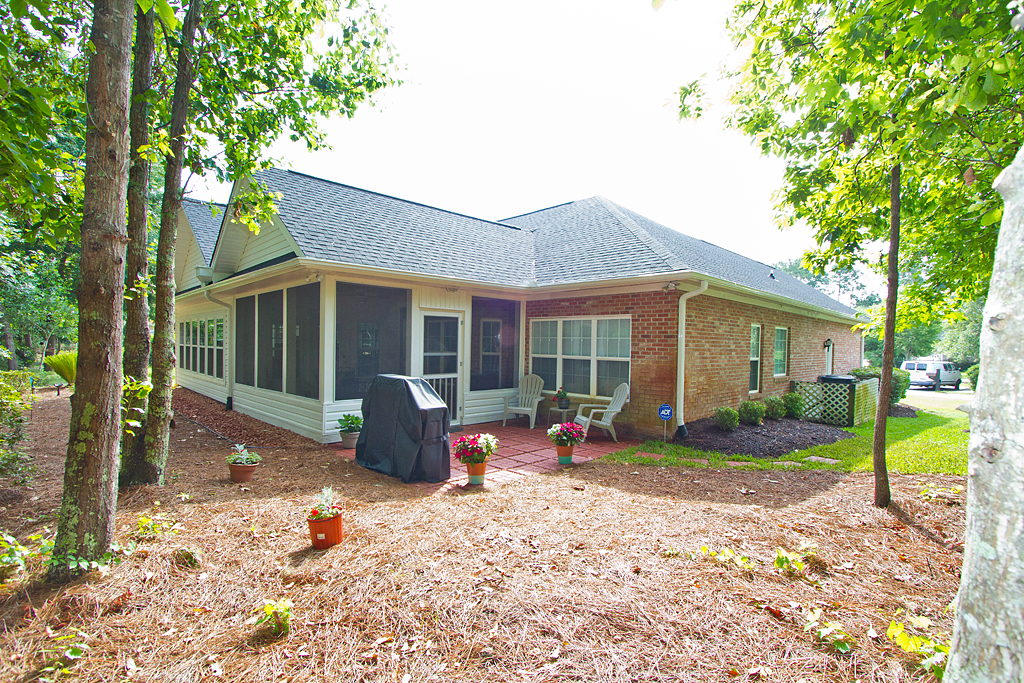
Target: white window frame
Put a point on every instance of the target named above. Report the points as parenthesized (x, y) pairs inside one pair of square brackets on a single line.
[(785, 360), (593, 357), (188, 328), (753, 358), (484, 321)]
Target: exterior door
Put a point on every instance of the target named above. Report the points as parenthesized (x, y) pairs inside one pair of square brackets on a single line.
[(828, 360), (442, 360)]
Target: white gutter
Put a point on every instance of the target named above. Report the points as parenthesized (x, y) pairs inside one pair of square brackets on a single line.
[(681, 354)]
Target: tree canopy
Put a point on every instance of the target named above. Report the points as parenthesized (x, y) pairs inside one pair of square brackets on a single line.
[(843, 91)]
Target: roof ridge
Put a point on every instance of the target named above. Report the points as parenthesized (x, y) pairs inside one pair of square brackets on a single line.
[(389, 196), (530, 213), (204, 202), (649, 241)]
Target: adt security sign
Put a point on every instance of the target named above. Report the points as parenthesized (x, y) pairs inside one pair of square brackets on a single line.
[(665, 412)]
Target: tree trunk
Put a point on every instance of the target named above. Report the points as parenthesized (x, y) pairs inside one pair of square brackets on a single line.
[(12, 358), (988, 634), (883, 495), (136, 328), (158, 421), (86, 521)]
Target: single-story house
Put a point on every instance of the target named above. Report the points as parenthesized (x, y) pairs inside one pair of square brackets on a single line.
[(290, 325)]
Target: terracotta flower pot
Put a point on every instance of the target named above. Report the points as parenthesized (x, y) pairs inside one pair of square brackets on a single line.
[(476, 472), (349, 439), (325, 533), (564, 454), (241, 473)]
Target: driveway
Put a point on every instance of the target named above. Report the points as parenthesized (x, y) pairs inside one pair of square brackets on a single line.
[(945, 400)]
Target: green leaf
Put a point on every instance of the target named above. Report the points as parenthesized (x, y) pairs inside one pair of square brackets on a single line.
[(166, 14), (992, 217)]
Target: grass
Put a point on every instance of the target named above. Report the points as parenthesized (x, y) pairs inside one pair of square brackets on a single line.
[(928, 443)]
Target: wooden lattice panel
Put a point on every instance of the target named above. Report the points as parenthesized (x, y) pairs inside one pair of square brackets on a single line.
[(865, 400), (831, 403)]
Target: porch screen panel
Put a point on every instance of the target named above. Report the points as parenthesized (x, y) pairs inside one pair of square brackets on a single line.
[(245, 341), (269, 340), (371, 336), (494, 355), (302, 377)]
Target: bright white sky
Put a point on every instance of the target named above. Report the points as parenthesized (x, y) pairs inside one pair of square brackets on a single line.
[(510, 107)]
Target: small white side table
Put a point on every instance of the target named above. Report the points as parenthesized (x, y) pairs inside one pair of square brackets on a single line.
[(564, 412)]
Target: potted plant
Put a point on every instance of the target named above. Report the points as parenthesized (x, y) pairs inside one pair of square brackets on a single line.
[(565, 436), (324, 519), (242, 463), (562, 398), (350, 425), (474, 450)]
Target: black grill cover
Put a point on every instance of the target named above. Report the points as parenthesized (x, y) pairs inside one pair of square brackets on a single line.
[(405, 430)]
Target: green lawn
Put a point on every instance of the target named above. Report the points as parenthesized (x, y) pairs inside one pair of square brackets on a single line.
[(930, 442)]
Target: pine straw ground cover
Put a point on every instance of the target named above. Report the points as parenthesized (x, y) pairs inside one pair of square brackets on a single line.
[(594, 573)]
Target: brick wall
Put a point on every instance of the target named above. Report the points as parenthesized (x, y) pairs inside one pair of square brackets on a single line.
[(717, 354)]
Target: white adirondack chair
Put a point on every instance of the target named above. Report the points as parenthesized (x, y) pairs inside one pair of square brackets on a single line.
[(607, 412), (527, 400)]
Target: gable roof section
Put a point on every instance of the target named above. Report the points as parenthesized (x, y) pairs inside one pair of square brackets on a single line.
[(343, 224), (205, 226), (596, 239)]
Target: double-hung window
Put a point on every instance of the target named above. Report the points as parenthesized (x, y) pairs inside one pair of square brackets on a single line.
[(586, 356), (201, 346), (781, 351), (755, 359)]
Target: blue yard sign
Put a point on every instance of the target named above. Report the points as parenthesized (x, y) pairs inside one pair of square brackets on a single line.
[(665, 412)]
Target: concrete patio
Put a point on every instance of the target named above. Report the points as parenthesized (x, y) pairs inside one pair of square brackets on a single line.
[(521, 452)]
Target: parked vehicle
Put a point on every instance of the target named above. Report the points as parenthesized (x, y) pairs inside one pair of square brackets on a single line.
[(932, 374)]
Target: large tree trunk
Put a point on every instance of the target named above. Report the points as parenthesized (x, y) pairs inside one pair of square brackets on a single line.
[(136, 328), (86, 522), (883, 495), (158, 421), (988, 634)]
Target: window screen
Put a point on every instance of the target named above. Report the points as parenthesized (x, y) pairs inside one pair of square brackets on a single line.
[(269, 340), (303, 372), (245, 341), (371, 336)]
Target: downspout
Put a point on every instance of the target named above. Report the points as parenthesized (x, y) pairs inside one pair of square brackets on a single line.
[(229, 369), (681, 431)]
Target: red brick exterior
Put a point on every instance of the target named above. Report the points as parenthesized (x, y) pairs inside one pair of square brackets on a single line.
[(717, 350)]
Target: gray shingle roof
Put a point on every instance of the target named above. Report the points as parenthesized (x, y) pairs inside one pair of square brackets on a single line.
[(595, 239), (582, 241), (340, 223), (205, 225)]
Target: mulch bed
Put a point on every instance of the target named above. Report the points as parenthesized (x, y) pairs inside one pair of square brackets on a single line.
[(772, 438)]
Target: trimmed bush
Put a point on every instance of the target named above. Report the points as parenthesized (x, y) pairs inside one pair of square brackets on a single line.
[(900, 381), (971, 374), (726, 418), (774, 408), (794, 403), (751, 412)]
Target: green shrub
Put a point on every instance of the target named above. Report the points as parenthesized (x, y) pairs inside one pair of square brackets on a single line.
[(64, 364), (900, 381), (794, 403), (752, 412), (726, 418), (774, 407), (971, 374)]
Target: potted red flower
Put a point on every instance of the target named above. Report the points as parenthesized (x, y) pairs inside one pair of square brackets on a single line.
[(562, 398), (475, 450), (324, 519), (566, 436)]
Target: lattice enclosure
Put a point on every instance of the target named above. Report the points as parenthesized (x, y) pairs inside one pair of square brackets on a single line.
[(844, 405)]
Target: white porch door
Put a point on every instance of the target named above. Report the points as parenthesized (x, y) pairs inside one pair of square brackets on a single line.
[(828, 360), (442, 360)]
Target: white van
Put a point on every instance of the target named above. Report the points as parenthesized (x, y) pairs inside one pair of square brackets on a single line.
[(932, 373)]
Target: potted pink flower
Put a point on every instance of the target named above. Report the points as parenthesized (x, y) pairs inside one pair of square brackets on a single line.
[(475, 450), (566, 436)]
